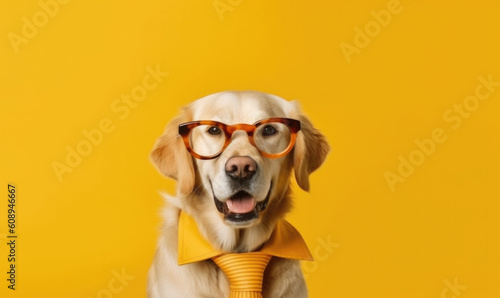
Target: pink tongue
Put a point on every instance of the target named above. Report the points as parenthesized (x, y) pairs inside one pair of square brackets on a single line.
[(243, 205)]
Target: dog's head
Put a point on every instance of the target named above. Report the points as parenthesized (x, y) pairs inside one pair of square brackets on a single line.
[(232, 154)]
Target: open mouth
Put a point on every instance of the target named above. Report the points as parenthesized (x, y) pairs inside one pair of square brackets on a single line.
[(242, 206)]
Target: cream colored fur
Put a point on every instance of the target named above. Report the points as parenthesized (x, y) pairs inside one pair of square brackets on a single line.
[(282, 278)]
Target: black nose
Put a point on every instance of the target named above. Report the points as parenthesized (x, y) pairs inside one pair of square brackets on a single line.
[(241, 167)]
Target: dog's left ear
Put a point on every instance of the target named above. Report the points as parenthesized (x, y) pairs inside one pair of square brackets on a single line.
[(171, 157), (310, 151)]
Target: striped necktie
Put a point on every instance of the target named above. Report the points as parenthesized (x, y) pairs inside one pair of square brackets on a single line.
[(245, 272)]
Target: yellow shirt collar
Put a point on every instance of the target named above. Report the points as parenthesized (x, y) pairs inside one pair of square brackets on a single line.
[(285, 242)]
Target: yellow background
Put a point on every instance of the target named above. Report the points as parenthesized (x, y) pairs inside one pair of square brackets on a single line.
[(438, 227)]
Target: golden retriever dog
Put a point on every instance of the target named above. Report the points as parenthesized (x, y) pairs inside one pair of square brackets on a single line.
[(232, 154)]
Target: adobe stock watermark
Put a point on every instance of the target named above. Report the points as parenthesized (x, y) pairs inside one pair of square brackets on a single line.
[(455, 118), (32, 25), (364, 35), (116, 284), (452, 290), (120, 107), (321, 252), (223, 6)]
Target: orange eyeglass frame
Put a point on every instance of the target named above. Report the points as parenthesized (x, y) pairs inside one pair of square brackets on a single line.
[(185, 130)]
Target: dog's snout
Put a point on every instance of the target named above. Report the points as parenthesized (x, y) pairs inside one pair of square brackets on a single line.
[(241, 167)]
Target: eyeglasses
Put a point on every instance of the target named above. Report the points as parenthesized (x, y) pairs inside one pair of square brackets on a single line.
[(273, 137)]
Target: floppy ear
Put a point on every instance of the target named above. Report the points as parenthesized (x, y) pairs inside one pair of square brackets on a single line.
[(171, 157), (310, 151)]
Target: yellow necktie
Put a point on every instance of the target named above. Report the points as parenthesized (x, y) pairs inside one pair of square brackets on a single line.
[(245, 272)]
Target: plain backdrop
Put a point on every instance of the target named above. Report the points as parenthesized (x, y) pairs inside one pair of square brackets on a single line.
[(406, 204)]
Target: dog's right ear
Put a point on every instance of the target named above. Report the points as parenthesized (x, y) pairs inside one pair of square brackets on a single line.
[(171, 157)]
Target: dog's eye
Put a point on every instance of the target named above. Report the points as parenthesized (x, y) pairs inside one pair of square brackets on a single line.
[(214, 130), (269, 130)]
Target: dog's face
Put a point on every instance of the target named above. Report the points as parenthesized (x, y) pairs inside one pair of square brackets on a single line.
[(241, 180), (240, 187)]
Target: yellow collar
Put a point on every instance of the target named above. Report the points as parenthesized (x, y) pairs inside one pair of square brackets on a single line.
[(285, 242)]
